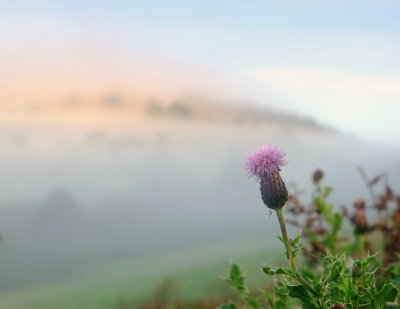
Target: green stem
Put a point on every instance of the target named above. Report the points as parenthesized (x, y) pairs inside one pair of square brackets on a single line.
[(289, 252)]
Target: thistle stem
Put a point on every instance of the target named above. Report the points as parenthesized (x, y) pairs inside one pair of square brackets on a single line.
[(288, 245), (289, 252)]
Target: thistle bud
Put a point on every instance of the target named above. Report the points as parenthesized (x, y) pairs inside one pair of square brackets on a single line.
[(317, 176), (359, 204), (264, 164)]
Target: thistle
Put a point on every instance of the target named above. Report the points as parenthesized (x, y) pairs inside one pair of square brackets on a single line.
[(334, 284), (264, 164)]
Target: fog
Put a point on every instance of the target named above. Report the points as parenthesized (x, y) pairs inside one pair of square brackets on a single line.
[(90, 181)]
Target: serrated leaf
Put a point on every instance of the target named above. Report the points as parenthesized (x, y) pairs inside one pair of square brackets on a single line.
[(296, 240), (396, 281), (236, 279), (277, 271), (388, 293), (308, 273), (300, 292), (394, 270), (281, 293)]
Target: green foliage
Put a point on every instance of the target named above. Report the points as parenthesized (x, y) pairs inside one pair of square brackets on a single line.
[(279, 299), (227, 306), (351, 284), (300, 292), (333, 219), (394, 274), (335, 279), (236, 280)]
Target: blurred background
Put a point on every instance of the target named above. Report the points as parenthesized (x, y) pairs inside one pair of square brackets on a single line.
[(124, 128)]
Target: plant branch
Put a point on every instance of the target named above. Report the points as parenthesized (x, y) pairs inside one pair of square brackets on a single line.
[(289, 252)]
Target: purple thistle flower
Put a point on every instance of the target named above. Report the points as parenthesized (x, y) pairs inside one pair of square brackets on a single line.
[(264, 164), (265, 160)]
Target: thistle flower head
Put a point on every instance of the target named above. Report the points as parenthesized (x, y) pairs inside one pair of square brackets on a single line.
[(265, 160), (264, 164)]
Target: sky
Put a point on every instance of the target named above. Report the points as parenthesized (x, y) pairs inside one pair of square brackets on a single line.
[(336, 61)]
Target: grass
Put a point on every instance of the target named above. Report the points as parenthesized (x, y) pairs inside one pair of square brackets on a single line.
[(103, 286)]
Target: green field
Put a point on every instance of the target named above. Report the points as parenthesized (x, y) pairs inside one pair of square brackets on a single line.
[(197, 273)]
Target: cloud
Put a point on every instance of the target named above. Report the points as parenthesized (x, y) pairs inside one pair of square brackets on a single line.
[(350, 100), (327, 80)]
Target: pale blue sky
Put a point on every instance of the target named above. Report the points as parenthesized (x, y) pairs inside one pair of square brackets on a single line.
[(338, 61)]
